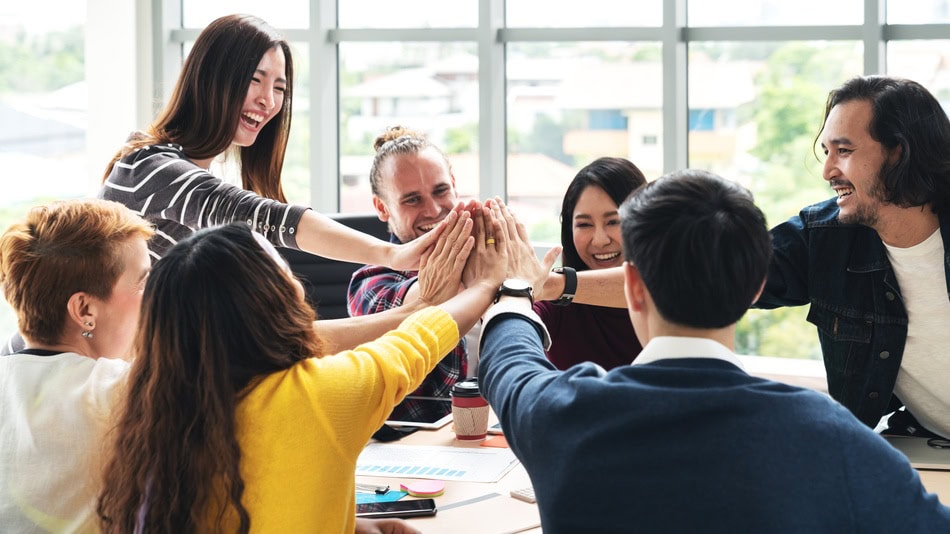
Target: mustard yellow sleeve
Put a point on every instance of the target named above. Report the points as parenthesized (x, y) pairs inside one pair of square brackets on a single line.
[(301, 430), (357, 389)]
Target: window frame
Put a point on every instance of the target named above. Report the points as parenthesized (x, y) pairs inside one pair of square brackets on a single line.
[(490, 36)]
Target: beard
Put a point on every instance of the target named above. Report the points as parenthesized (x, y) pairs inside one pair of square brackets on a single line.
[(866, 213)]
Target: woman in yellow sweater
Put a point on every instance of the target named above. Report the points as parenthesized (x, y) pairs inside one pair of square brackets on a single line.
[(235, 419)]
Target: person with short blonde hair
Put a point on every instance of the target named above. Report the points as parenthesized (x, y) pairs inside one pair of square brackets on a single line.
[(73, 271)]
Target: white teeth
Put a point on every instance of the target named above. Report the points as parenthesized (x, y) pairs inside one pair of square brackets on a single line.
[(254, 117), (604, 257), (844, 192), (427, 228)]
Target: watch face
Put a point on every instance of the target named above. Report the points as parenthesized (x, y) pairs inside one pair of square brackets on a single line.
[(516, 284)]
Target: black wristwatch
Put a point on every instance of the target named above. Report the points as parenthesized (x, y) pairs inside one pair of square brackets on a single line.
[(570, 285), (516, 287)]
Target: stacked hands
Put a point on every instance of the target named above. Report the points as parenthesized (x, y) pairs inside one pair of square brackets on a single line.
[(480, 244), (475, 245)]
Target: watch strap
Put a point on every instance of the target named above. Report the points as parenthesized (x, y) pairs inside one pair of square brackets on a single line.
[(509, 307), (570, 285), (512, 292)]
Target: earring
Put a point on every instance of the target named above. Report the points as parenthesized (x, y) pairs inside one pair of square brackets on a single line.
[(87, 333)]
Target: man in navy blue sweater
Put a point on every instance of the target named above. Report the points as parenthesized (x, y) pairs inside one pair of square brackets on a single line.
[(684, 440)]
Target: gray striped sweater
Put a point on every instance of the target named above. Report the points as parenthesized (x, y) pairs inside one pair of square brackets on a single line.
[(162, 185)]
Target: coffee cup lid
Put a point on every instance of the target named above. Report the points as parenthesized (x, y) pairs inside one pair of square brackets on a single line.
[(466, 388)]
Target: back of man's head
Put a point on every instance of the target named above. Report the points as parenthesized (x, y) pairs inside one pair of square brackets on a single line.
[(700, 244)]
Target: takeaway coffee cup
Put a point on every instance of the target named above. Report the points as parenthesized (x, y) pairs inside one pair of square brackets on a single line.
[(469, 411)]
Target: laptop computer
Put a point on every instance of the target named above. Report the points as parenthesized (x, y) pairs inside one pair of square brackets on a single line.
[(920, 454)]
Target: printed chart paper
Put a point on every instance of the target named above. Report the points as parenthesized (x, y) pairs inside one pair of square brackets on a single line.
[(434, 462)]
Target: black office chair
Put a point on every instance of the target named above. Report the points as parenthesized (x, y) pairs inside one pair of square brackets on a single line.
[(326, 280)]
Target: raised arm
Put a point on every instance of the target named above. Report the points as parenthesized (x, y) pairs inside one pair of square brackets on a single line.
[(323, 236), (485, 270), (439, 277), (599, 287)]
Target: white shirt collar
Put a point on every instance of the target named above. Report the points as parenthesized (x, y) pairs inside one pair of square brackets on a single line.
[(669, 347)]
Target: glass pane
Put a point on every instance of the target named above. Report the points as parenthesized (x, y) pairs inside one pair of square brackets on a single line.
[(408, 14), (918, 12), (774, 12), (569, 104), (754, 120), (296, 173), (924, 62), (283, 14), (428, 87), (574, 14), (43, 111)]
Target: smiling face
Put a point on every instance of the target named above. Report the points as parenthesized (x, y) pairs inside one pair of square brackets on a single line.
[(596, 229), (265, 97), (855, 163), (416, 192)]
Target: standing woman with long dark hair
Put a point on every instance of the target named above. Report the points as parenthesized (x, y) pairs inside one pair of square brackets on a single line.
[(235, 90), (235, 418)]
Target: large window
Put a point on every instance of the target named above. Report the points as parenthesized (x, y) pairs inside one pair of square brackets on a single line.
[(519, 93), (570, 103), (428, 87), (43, 111)]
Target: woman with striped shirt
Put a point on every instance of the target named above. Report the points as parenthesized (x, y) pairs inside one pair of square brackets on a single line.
[(234, 94)]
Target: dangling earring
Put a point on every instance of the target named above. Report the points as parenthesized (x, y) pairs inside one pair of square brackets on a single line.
[(87, 333)]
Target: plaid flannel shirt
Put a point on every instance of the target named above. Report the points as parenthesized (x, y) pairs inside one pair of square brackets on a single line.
[(374, 289)]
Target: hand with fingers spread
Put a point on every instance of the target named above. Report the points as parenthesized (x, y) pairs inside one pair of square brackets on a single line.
[(486, 269), (522, 261), (486, 262), (440, 272)]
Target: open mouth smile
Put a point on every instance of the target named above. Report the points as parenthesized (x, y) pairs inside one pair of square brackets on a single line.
[(253, 120), (844, 191), (428, 227)]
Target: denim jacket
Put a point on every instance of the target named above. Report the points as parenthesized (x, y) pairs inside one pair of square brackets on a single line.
[(842, 271)]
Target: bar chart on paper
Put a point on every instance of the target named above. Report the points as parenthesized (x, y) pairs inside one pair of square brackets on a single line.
[(434, 462)]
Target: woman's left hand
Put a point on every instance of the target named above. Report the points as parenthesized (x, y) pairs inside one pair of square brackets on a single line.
[(384, 526)]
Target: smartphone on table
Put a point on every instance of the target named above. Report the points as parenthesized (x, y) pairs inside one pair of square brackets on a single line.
[(410, 508)]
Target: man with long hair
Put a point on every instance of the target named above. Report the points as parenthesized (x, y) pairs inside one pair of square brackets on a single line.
[(873, 261)]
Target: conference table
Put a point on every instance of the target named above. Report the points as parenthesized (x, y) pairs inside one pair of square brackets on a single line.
[(488, 508), (469, 507)]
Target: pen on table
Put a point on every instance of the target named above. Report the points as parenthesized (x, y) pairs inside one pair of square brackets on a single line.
[(367, 488)]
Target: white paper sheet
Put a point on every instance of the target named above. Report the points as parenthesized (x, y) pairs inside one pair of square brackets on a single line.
[(487, 464)]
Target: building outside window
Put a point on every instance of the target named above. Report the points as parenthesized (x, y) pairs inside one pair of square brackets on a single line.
[(520, 94)]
